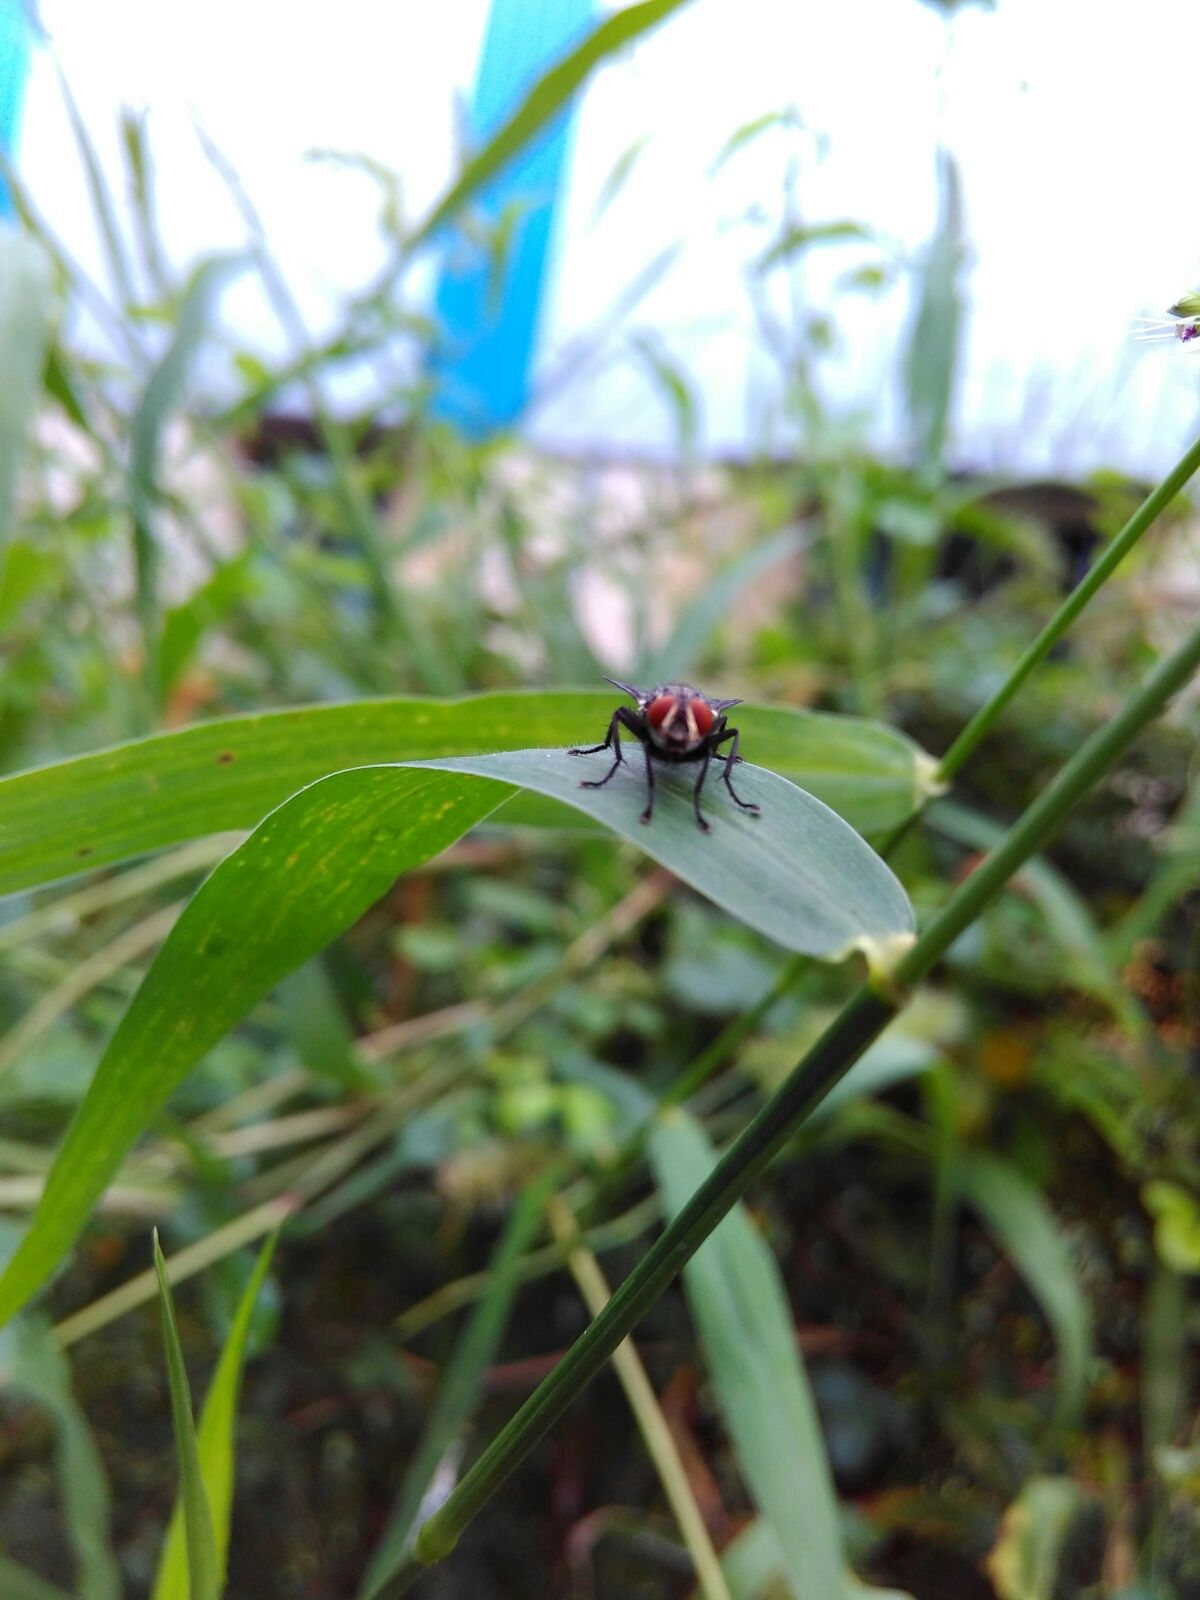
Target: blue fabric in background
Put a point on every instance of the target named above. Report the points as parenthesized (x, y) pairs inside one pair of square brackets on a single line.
[(16, 35), (488, 319)]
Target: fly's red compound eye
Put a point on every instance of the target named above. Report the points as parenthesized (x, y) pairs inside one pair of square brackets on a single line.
[(702, 713), (659, 709)]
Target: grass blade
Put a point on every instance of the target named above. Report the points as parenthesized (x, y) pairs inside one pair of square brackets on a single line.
[(215, 1446), (933, 352), (25, 305), (542, 104), (160, 399), (741, 1313), (227, 774), (204, 1583), (1027, 1230)]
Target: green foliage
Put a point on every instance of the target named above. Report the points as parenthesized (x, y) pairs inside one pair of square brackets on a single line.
[(745, 1330), (392, 1058), (203, 1565), (25, 305), (214, 1447), (228, 774)]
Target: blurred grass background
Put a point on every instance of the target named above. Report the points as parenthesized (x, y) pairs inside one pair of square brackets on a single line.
[(1014, 1210)]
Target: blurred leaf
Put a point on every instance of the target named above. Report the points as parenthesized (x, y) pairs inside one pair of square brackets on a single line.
[(802, 236), (35, 1365), (140, 168), (1023, 1564), (1068, 918), (60, 385), (202, 1565), (749, 1343), (547, 98), (753, 1565), (185, 625), (18, 1583), (693, 631), (318, 862), (160, 399), (98, 193), (933, 350), (462, 1383), (215, 1448), (25, 305), (228, 773), (1176, 1214), (673, 385), (1165, 1359), (619, 175), (1027, 1230), (25, 572), (750, 131)]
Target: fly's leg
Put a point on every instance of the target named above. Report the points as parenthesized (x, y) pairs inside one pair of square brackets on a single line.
[(622, 717), (649, 811), (729, 759), (704, 828)]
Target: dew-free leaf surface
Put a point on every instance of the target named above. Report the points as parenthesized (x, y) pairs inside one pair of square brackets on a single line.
[(321, 859), (97, 809)]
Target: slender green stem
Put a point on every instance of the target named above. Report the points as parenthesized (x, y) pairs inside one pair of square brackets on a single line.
[(859, 1022), (1146, 514)]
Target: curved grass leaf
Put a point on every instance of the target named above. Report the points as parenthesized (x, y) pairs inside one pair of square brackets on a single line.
[(797, 872), (227, 774), (741, 1313), (203, 1582), (160, 399), (25, 302), (309, 871), (215, 1447), (1027, 1230), (325, 856)]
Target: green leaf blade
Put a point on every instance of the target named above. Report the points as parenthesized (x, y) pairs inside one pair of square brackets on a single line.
[(796, 872), (310, 870), (215, 1447), (1029, 1232), (203, 1582), (741, 1314), (95, 810)]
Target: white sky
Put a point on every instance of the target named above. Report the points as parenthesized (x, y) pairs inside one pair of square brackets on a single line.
[(1073, 124)]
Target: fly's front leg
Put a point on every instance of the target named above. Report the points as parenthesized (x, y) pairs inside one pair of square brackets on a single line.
[(649, 811), (729, 759), (622, 717)]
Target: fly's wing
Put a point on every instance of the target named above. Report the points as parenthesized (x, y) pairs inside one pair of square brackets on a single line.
[(723, 705), (640, 695)]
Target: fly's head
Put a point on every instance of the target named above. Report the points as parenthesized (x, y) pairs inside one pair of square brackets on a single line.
[(678, 720)]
